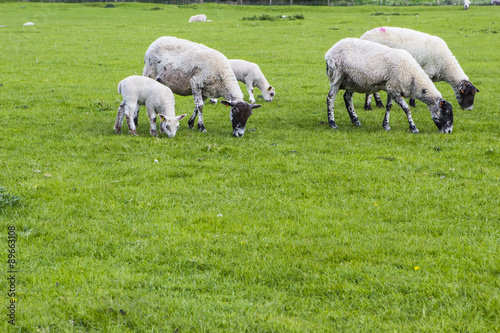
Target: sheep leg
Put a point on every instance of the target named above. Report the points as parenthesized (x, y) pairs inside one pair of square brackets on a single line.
[(129, 114), (199, 100), (412, 102), (378, 100), (249, 85), (385, 123), (136, 115), (330, 104), (368, 102), (201, 125), (350, 108), (119, 118), (402, 104), (193, 117), (152, 120)]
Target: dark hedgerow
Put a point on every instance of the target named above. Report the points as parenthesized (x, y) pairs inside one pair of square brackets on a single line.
[(266, 17)]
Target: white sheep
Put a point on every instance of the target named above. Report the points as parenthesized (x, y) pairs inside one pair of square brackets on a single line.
[(251, 75), (362, 66), (140, 90), (466, 4), (198, 18), (190, 68), (434, 57)]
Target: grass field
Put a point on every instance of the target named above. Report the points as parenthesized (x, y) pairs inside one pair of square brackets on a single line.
[(294, 227)]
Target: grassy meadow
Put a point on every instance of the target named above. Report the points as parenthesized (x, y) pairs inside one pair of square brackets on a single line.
[(294, 227)]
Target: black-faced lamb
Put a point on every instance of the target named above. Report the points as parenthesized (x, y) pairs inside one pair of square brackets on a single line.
[(434, 57), (140, 90), (190, 68), (362, 66)]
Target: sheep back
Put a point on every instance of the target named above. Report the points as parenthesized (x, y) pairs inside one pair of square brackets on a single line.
[(431, 52), (145, 90), (181, 63)]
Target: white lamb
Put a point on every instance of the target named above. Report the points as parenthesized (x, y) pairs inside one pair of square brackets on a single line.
[(251, 75), (432, 54), (362, 66), (198, 18), (140, 90), (190, 68), (466, 4)]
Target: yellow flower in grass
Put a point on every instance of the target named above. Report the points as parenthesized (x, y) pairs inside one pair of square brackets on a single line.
[(416, 268)]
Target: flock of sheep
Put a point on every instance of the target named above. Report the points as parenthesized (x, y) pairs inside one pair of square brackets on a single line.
[(402, 62)]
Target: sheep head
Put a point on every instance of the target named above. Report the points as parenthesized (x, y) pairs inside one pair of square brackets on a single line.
[(442, 114), (465, 95), (269, 94), (239, 114), (170, 125)]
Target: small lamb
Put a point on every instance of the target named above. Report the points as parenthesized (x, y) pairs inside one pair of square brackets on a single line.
[(190, 68), (140, 90), (430, 52), (362, 66), (251, 75), (466, 4)]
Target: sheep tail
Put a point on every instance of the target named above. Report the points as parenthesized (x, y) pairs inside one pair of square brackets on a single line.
[(330, 69)]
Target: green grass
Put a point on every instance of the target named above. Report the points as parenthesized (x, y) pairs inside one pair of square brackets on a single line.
[(292, 228)]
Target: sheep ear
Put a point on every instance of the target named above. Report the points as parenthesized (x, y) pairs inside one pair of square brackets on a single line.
[(256, 106), (441, 102), (160, 80), (181, 116), (162, 118), (226, 103)]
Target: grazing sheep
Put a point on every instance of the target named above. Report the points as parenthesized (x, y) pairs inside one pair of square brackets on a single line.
[(251, 75), (190, 68), (432, 54), (466, 4), (362, 66), (198, 18), (495, 2), (140, 90)]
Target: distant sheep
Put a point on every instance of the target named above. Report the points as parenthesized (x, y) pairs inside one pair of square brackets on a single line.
[(190, 68), (140, 90), (432, 54), (357, 65), (251, 75), (495, 2), (466, 4), (198, 18)]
